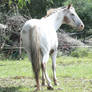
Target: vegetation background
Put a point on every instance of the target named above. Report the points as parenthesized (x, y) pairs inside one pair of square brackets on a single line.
[(74, 68), (14, 13)]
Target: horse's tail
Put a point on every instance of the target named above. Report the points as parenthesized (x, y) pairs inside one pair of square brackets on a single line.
[(35, 51)]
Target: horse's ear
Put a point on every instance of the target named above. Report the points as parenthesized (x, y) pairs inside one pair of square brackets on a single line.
[(69, 6)]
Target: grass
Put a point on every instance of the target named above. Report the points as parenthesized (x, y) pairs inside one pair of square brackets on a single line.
[(74, 75)]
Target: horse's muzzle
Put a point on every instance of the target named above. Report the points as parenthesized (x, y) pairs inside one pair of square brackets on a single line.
[(81, 27)]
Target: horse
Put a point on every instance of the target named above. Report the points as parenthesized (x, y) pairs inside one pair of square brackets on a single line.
[(40, 40)]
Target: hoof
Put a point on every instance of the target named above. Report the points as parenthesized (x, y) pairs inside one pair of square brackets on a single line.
[(56, 83), (50, 88)]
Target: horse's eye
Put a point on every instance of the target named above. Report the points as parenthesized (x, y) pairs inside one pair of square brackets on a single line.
[(72, 14)]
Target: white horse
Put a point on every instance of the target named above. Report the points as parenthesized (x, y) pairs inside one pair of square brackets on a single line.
[(40, 39)]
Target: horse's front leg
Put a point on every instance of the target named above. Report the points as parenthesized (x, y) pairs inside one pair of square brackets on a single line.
[(53, 57)]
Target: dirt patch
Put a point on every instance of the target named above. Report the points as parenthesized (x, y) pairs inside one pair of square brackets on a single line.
[(16, 81)]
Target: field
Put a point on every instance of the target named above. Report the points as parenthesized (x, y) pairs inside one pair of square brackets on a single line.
[(73, 74)]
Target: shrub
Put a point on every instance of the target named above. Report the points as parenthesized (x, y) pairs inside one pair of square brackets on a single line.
[(80, 52)]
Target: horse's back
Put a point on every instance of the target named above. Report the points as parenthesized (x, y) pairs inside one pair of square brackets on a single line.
[(31, 23), (47, 36)]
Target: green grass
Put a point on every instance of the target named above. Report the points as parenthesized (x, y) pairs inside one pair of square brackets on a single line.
[(73, 74)]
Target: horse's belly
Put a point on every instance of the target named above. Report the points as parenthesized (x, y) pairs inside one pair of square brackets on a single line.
[(54, 42)]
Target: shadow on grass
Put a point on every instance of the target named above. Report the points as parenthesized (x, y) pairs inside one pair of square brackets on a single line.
[(9, 89), (2, 65)]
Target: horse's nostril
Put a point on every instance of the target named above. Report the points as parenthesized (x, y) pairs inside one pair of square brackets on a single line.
[(81, 26)]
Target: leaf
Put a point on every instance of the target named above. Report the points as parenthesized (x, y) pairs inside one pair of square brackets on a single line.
[(10, 2)]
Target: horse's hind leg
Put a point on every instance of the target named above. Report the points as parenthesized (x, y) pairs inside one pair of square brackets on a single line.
[(53, 56), (43, 76), (44, 61)]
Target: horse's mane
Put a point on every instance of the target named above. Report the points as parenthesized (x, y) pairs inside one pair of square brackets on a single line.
[(50, 11), (53, 10)]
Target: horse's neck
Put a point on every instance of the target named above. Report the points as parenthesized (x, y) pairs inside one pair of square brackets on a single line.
[(55, 20)]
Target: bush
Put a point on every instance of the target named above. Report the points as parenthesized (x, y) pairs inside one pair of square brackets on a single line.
[(80, 52)]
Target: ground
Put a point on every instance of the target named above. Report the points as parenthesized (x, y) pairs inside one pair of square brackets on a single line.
[(73, 74)]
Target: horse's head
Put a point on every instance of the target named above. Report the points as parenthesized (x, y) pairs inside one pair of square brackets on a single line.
[(71, 18)]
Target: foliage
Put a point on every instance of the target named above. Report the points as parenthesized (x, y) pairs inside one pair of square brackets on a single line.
[(38, 8), (81, 52)]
